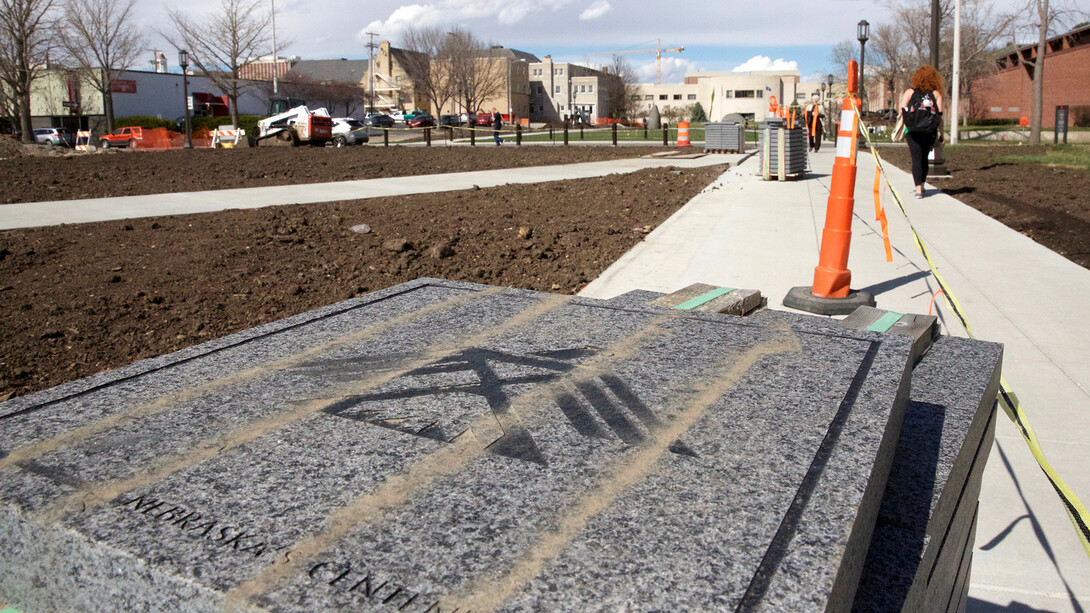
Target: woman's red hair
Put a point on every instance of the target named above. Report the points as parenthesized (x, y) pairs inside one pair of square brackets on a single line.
[(927, 78)]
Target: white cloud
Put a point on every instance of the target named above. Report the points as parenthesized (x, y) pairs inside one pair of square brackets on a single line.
[(448, 12), (763, 62), (596, 10), (673, 70)]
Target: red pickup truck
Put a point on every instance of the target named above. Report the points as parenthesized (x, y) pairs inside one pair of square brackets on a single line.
[(121, 137)]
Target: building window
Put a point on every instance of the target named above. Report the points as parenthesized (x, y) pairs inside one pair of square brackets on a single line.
[(677, 96), (636, 98), (556, 89), (561, 72), (662, 96), (744, 93), (648, 97), (590, 89), (760, 94), (729, 93), (540, 89), (691, 97), (800, 96)]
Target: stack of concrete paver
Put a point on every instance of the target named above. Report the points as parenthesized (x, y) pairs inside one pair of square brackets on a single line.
[(921, 551), (439, 446), (792, 150), (724, 137)]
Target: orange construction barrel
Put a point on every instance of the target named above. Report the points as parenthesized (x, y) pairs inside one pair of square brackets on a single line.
[(683, 134)]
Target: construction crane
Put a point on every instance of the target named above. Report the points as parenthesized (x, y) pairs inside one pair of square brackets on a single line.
[(658, 56)]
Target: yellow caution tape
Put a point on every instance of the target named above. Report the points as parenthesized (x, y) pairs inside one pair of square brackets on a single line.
[(1076, 512)]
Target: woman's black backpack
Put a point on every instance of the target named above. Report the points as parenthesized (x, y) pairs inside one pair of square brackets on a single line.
[(922, 113)]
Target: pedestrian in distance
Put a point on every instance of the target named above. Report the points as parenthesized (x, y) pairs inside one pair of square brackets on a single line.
[(497, 123), (921, 112), (814, 118)]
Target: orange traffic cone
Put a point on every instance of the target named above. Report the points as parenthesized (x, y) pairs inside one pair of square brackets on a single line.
[(683, 134), (830, 294)]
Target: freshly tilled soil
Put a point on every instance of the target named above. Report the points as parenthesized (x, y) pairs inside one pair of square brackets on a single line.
[(79, 299)]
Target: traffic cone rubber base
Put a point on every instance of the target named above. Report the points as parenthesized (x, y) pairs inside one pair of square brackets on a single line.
[(803, 299)]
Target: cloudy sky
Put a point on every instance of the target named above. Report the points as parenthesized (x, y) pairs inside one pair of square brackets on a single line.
[(716, 34)]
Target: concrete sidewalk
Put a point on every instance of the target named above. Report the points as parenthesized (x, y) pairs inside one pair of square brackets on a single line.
[(34, 214), (747, 233)]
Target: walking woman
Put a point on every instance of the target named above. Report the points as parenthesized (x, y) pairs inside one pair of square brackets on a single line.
[(921, 109)]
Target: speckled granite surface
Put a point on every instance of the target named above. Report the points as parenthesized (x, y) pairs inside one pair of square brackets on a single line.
[(440, 446)]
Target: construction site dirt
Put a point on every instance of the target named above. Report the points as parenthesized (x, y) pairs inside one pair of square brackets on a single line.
[(79, 299)]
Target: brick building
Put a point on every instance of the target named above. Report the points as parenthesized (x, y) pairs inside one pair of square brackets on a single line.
[(1008, 94)]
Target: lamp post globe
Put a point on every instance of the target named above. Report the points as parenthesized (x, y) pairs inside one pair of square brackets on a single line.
[(183, 61), (863, 34)]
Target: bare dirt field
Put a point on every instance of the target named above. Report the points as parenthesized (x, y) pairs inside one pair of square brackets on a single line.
[(57, 175), (79, 299)]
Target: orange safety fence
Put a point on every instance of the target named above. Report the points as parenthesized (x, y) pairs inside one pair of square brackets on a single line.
[(162, 139)]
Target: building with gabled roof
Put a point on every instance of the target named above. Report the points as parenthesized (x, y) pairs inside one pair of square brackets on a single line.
[(339, 70)]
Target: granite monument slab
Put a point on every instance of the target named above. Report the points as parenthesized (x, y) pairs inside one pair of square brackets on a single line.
[(442, 446)]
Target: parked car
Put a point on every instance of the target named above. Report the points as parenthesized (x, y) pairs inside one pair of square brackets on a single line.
[(121, 137), (378, 120), (397, 115), (348, 131), (422, 120), (484, 119), (55, 137), (449, 120), (414, 114)]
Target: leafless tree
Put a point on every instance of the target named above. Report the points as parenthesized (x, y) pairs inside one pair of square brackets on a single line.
[(221, 44), (842, 52), (348, 95), (475, 75), (298, 86), (1045, 17), (101, 41), (25, 28), (902, 45), (426, 65), (624, 85)]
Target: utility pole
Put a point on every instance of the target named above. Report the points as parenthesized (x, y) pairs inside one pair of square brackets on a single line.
[(935, 34), (371, 46), (276, 61), (957, 74)]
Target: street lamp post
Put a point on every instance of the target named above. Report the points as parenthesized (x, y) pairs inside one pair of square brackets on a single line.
[(183, 61), (864, 35), (829, 112)]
